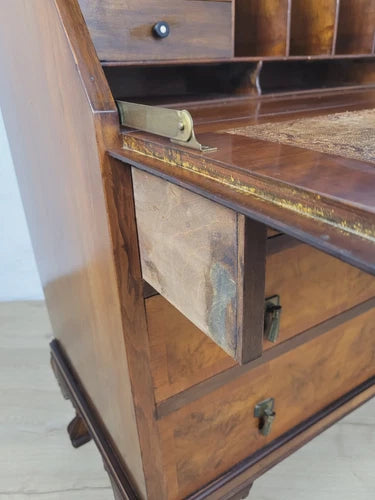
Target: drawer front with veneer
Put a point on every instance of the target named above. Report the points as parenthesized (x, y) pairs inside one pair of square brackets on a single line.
[(218, 267), (122, 30), (227, 423)]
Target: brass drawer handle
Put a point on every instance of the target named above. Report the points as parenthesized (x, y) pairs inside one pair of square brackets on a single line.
[(272, 318), (265, 412)]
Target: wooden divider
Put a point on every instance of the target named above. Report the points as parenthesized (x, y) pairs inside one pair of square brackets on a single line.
[(262, 27), (356, 27), (313, 27)]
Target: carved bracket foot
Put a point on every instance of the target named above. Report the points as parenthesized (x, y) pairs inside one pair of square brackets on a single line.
[(78, 432)]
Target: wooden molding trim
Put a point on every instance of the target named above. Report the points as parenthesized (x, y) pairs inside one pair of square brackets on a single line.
[(237, 479), (254, 466), (75, 392), (177, 401)]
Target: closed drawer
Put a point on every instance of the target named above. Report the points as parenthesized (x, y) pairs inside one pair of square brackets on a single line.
[(215, 267), (214, 433), (122, 30)]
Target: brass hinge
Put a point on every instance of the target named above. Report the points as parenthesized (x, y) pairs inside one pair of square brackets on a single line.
[(175, 124)]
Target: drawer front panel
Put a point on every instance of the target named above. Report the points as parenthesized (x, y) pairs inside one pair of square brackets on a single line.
[(215, 432), (122, 30), (313, 287)]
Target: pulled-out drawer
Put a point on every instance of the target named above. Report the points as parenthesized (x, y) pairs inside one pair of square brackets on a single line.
[(126, 30), (216, 267), (193, 253), (217, 431)]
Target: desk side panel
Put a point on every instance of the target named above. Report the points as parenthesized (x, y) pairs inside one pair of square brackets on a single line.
[(58, 157)]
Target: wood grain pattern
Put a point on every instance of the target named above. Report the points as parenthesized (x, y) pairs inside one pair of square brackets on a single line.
[(217, 381), (291, 189), (313, 287), (262, 27), (254, 466), (356, 27), (181, 355), (193, 253), (122, 29), (120, 199), (302, 382), (58, 145), (313, 27), (90, 422)]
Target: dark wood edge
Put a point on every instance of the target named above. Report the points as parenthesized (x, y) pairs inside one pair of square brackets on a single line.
[(88, 65), (179, 62), (76, 393), (280, 242), (257, 464), (281, 219), (183, 398), (236, 479), (251, 252)]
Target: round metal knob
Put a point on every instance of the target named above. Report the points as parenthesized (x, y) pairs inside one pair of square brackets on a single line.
[(161, 29)]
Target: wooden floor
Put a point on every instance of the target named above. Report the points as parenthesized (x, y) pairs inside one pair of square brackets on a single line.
[(37, 461)]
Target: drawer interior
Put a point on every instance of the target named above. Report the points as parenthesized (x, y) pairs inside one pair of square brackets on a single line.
[(313, 287), (217, 270), (206, 260)]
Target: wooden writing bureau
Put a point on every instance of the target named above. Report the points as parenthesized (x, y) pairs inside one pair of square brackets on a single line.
[(213, 307)]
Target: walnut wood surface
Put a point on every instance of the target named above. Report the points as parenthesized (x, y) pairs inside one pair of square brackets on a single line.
[(356, 27), (58, 127), (302, 382), (313, 26), (122, 29), (206, 260), (120, 198), (262, 27), (313, 287), (121, 478), (181, 355), (254, 466), (292, 189)]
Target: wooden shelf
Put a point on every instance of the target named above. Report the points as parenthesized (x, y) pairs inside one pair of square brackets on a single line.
[(262, 27), (356, 27)]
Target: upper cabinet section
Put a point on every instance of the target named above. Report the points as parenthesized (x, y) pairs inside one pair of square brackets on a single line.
[(155, 30)]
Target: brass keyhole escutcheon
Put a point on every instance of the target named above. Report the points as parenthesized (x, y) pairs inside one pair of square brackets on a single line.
[(272, 318), (266, 414)]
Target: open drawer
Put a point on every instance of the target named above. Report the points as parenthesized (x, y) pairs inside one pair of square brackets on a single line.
[(223, 273), (202, 216), (205, 259)]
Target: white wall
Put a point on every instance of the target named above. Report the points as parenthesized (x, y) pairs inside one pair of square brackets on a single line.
[(19, 278)]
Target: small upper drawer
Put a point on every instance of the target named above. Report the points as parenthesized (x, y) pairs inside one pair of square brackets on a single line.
[(127, 30)]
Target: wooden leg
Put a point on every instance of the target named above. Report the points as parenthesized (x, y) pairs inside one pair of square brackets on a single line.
[(242, 494), (78, 432)]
